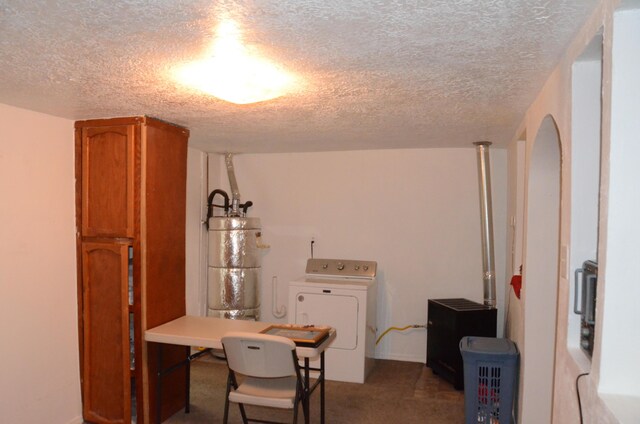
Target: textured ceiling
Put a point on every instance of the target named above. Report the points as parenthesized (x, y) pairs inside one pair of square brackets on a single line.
[(377, 73)]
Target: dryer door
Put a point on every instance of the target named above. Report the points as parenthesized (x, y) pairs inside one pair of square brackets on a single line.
[(337, 311)]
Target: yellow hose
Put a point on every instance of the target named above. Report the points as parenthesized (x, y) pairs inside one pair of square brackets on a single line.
[(398, 329)]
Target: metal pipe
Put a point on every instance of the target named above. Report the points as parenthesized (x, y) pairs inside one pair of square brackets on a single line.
[(278, 312), (486, 218), (235, 193)]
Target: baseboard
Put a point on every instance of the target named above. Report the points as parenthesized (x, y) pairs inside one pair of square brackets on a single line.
[(76, 420), (401, 357)]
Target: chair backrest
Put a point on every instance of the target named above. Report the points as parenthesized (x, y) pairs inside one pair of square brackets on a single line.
[(259, 355)]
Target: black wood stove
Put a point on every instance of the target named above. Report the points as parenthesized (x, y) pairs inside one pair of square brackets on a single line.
[(448, 321)]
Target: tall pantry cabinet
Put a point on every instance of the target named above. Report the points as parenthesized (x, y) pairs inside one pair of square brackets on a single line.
[(130, 214)]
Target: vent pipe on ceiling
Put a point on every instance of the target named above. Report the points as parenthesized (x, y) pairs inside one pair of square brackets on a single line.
[(235, 193), (486, 218)]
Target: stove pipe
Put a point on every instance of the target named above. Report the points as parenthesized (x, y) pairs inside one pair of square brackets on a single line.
[(235, 193), (486, 218)]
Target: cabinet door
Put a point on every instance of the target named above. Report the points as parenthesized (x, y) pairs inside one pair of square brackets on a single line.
[(108, 181), (106, 372)]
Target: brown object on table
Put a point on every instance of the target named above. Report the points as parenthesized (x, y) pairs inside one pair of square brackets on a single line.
[(305, 335)]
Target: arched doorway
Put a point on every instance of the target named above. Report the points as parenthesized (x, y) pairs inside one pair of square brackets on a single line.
[(540, 273)]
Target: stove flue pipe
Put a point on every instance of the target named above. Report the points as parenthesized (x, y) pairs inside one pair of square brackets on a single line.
[(235, 193), (486, 218)]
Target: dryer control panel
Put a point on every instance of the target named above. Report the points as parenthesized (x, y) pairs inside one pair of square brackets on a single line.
[(341, 268)]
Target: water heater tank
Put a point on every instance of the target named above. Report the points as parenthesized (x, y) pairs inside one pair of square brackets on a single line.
[(234, 268)]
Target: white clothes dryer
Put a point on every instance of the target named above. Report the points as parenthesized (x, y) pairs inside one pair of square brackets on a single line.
[(340, 294)]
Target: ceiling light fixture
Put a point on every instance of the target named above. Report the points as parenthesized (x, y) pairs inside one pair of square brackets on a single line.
[(233, 73)]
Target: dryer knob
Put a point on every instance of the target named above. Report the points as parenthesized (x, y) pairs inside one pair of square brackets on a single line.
[(340, 266)]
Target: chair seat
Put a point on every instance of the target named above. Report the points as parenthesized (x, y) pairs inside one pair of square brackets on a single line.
[(273, 392)]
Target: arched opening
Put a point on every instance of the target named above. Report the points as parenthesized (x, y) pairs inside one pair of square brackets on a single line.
[(540, 274)]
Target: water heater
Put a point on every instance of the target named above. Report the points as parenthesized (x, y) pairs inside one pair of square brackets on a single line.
[(234, 268)]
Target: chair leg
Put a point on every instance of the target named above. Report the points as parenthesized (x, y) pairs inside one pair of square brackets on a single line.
[(234, 383), (245, 420), (226, 400), (295, 413), (296, 404)]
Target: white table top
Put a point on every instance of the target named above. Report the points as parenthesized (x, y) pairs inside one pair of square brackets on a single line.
[(191, 330)]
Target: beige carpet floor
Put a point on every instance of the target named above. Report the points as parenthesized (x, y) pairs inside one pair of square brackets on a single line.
[(395, 393)]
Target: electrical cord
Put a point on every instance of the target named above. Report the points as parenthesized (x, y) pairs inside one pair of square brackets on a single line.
[(399, 329), (578, 393)]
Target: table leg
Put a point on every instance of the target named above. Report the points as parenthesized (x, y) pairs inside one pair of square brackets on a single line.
[(321, 387), (188, 381), (307, 392), (159, 385)]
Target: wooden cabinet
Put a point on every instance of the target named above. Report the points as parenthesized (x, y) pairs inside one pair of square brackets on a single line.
[(108, 181), (106, 348), (130, 213)]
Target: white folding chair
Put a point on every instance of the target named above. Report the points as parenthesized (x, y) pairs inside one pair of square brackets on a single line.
[(271, 373)]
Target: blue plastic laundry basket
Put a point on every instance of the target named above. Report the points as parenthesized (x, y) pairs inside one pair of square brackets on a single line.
[(490, 368)]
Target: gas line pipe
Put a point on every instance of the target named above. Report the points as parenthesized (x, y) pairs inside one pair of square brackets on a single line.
[(399, 329)]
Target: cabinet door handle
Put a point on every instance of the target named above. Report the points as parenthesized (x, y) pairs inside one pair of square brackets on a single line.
[(589, 312), (576, 298)]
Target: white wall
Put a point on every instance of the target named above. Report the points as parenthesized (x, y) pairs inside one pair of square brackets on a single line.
[(515, 211), (540, 273), (612, 369), (39, 365), (620, 329), (415, 212), (195, 249), (585, 173)]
